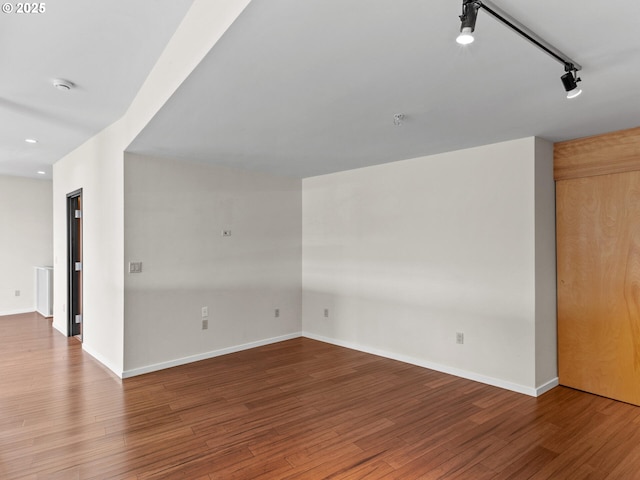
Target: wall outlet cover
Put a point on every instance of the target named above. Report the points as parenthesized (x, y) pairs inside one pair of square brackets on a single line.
[(135, 267)]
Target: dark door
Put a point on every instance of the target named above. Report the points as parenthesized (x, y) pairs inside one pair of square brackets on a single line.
[(74, 239)]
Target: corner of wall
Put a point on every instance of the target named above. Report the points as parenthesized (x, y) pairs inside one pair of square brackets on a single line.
[(97, 167), (459, 258), (545, 265), (241, 278), (98, 171)]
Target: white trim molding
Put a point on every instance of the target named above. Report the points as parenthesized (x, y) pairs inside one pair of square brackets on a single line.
[(544, 388), (496, 382), (206, 355), (102, 360), (17, 311), (476, 377)]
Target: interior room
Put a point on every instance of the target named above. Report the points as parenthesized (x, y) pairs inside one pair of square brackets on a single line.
[(390, 239)]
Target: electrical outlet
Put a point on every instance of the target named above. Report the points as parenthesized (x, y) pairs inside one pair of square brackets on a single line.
[(326, 313), (205, 323), (17, 293), (226, 233), (205, 312), (277, 313), (459, 338)]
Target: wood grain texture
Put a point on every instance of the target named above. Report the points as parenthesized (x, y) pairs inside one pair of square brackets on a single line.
[(299, 409), (598, 242), (609, 153)]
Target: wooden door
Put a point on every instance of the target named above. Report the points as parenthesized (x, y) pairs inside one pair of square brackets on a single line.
[(598, 242)]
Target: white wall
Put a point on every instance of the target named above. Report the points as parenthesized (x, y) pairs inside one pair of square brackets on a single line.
[(546, 308), (175, 212), (404, 255), (97, 168), (26, 239)]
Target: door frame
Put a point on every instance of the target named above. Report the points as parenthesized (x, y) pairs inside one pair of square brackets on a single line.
[(74, 254)]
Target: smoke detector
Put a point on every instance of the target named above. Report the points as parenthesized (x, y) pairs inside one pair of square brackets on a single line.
[(64, 85)]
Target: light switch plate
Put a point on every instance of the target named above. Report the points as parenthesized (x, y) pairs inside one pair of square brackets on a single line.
[(135, 267)]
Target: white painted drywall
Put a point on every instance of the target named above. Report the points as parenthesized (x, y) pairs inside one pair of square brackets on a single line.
[(546, 308), (26, 240), (175, 212), (97, 168), (404, 255)]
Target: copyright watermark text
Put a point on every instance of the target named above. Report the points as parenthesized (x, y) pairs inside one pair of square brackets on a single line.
[(24, 8)]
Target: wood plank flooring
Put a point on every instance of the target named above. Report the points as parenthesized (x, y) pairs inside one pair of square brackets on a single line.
[(299, 409)]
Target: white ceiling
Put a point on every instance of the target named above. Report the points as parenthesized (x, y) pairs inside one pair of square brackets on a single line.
[(105, 47), (303, 88)]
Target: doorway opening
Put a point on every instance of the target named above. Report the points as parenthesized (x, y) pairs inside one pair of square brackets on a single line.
[(74, 267)]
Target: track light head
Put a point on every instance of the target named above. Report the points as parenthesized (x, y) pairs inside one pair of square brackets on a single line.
[(570, 81), (466, 36), (468, 21)]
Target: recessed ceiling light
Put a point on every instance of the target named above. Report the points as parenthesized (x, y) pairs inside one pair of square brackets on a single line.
[(31, 140), (64, 85), (40, 172)]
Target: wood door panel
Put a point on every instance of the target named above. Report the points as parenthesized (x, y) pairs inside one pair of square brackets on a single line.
[(598, 222)]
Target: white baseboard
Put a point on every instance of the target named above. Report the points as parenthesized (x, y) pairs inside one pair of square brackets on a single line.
[(544, 388), (102, 360), (17, 311), (62, 329), (206, 355), (495, 382)]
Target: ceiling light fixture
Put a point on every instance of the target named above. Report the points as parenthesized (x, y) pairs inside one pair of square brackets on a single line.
[(397, 119), (40, 172), (468, 24), (64, 85), (466, 36), (570, 81), (31, 140)]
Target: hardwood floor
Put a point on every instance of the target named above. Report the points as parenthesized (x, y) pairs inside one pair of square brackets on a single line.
[(298, 409)]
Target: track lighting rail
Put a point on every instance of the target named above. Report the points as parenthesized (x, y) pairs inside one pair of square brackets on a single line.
[(468, 24), (527, 34)]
